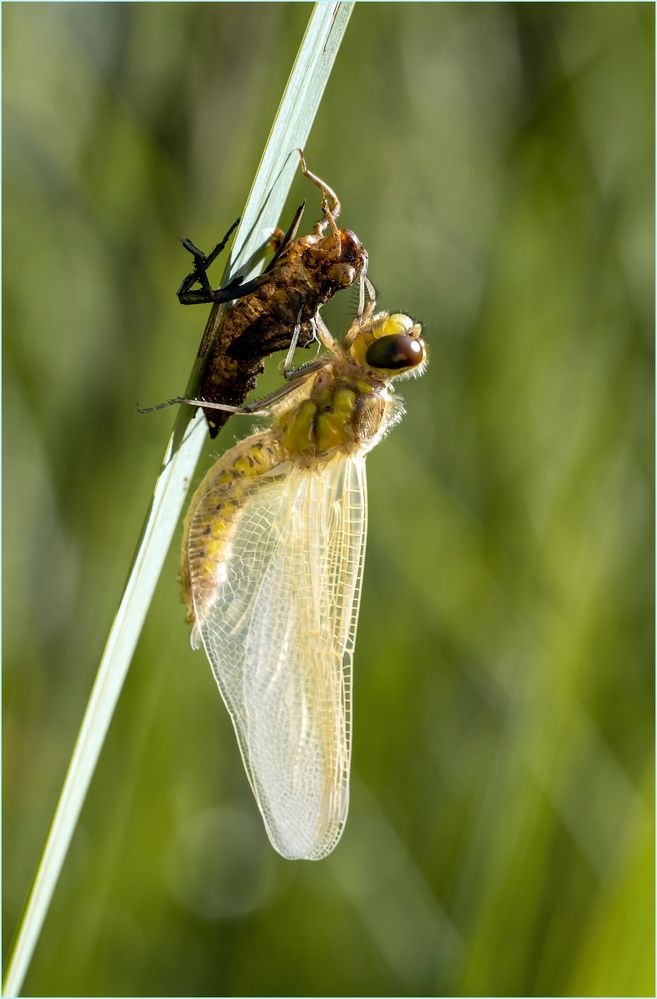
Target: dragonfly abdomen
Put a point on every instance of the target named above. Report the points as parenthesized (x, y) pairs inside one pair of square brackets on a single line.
[(213, 515)]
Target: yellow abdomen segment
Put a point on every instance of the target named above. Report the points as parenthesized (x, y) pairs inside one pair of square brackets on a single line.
[(213, 515)]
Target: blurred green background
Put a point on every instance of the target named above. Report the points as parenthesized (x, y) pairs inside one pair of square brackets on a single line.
[(497, 161)]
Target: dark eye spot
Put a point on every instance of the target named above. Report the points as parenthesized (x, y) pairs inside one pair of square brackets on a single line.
[(394, 352)]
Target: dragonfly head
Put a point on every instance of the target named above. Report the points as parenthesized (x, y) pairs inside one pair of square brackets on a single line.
[(390, 344), (333, 261)]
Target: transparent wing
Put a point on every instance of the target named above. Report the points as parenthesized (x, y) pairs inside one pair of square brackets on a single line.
[(280, 636)]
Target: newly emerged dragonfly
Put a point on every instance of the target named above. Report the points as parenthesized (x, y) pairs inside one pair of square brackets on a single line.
[(305, 272), (272, 563)]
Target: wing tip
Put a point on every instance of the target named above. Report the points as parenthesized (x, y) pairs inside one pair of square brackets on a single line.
[(308, 844)]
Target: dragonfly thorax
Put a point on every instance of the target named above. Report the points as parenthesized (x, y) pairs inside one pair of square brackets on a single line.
[(342, 413)]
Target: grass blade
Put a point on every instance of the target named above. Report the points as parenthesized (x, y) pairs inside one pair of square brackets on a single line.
[(290, 129)]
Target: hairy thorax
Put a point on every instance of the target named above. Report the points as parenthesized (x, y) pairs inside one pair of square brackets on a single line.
[(344, 412)]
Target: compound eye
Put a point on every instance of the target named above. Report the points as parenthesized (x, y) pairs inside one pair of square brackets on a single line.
[(395, 352)]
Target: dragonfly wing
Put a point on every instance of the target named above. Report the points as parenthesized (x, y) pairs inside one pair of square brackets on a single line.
[(280, 637)]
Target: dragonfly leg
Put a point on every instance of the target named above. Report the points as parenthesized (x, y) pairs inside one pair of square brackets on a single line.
[(237, 288), (365, 284), (324, 335), (323, 339), (257, 408), (331, 211), (288, 370), (201, 263), (249, 410)]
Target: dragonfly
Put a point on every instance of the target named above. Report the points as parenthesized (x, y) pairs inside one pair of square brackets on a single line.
[(272, 565)]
